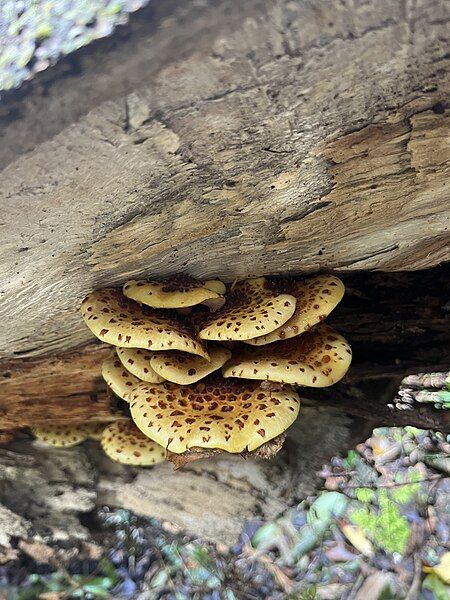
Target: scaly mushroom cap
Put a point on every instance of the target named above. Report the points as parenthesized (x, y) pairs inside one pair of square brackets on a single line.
[(122, 322), (180, 292), (61, 436), (125, 443), (137, 361), (184, 369), (316, 298), (119, 379), (317, 358), (230, 415), (252, 309)]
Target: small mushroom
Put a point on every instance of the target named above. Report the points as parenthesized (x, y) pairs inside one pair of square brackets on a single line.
[(119, 379), (137, 361), (316, 298), (317, 358), (215, 285), (184, 369), (180, 292), (252, 309), (229, 415), (122, 322), (61, 436), (125, 443)]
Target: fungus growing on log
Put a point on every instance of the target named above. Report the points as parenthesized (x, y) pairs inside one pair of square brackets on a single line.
[(119, 379), (61, 436), (228, 415), (316, 298), (251, 309), (137, 361), (122, 322), (167, 374), (177, 293), (184, 369), (125, 443), (317, 358)]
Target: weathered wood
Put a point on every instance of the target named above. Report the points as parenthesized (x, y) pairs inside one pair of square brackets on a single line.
[(288, 138), (61, 390)]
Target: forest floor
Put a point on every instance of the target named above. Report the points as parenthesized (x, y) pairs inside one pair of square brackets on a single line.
[(378, 529)]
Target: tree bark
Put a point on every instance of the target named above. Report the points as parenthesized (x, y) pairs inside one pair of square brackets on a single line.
[(223, 139)]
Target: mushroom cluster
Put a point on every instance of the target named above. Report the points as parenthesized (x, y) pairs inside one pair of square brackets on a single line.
[(206, 369)]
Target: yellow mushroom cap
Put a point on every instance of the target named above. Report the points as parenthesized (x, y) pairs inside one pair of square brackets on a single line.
[(61, 436), (137, 361), (317, 358), (184, 369), (176, 293), (252, 309), (230, 415), (122, 322), (316, 298), (119, 379), (215, 285), (125, 443)]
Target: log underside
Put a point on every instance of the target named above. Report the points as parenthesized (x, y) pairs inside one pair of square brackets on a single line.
[(287, 138), (223, 139)]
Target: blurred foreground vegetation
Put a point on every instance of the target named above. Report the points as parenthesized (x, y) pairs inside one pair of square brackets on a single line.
[(378, 529)]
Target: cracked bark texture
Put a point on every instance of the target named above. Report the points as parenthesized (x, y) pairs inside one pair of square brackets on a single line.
[(220, 139), (278, 137)]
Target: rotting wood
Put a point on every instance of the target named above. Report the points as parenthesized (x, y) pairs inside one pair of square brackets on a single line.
[(289, 138), (61, 390), (396, 323)]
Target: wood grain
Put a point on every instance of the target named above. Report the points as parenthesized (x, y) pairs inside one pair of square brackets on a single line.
[(289, 138)]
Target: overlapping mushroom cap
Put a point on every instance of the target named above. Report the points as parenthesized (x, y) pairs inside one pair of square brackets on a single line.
[(316, 298), (125, 443), (230, 415), (175, 293), (252, 309), (182, 368), (122, 322), (119, 379), (137, 361), (317, 358), (61, 436)]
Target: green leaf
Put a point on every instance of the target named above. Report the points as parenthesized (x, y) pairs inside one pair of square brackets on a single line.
[(438, 587), (326, 506)]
